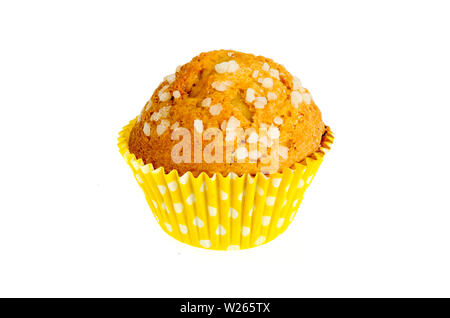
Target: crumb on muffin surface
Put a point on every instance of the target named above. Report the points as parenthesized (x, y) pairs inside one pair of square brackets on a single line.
[(224, 90)]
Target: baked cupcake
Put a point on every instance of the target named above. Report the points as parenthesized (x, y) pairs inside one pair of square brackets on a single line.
[(225, 149)]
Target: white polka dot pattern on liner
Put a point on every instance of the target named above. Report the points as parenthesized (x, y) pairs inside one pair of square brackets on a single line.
[(233, 213), (138, 178), (184, 178), (198, 222), (301, 184), (212, 211), (245, 231), (280, 222), (190, 199), (156, 171), (162, 189), (145, 169), (183, 228), (233, 248), (260, 240), (270, 201), (125, 155), (223, 195), (221, 230), (265, 221), (205, 243), (172, 186), (178, 207), (276, 182), (135, 164), (168, 227)]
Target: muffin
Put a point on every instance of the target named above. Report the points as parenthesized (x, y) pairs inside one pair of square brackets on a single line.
[(225, 148), (225, 90)]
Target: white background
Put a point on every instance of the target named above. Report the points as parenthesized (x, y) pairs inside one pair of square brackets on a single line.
[(73, 221)]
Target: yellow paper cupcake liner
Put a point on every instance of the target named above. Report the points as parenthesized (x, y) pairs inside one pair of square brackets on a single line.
[(223, 213)]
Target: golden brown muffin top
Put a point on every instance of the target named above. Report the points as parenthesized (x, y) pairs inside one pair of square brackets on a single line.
[(247, 109)]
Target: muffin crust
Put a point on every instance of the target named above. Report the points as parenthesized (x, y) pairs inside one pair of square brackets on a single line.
[(224, 90)]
